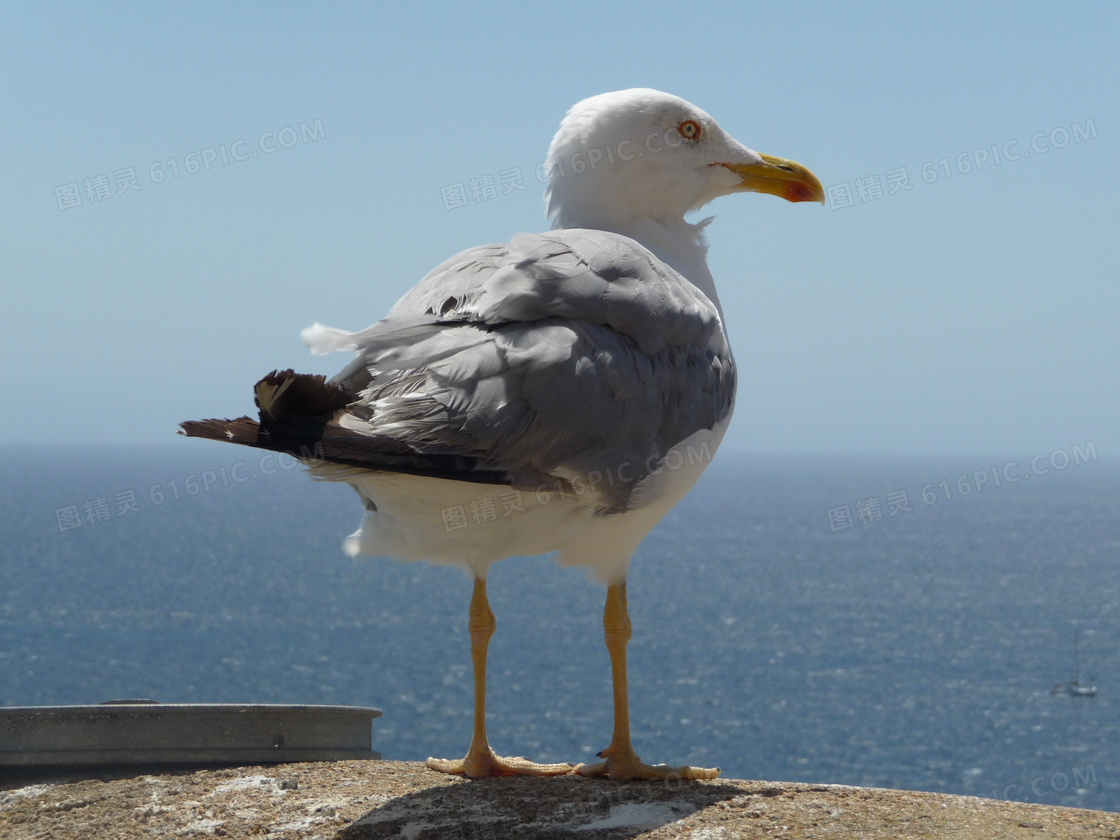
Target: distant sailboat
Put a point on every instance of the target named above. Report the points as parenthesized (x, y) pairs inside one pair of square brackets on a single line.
[(1075, 688)]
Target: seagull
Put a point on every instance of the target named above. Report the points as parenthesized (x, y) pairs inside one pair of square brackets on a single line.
[(556, 394)]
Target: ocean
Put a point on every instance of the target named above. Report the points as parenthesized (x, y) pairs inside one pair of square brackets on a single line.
[(883, 622)]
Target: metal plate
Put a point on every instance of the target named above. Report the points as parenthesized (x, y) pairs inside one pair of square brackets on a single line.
[(156, 733)]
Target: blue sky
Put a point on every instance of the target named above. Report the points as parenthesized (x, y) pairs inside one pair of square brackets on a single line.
[(973, 312)]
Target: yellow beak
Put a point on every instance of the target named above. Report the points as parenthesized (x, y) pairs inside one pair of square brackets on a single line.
[(777, 176)]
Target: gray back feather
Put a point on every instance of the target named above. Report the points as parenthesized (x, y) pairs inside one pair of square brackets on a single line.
[(555, 355)]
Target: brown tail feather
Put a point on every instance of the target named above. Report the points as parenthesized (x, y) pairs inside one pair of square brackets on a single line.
[(242, 430), (296, 416)]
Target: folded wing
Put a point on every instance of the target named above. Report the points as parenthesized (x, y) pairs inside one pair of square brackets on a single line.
[(547, 358)]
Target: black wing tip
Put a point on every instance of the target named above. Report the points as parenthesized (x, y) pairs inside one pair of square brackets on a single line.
[(285, 394), (288, 401)]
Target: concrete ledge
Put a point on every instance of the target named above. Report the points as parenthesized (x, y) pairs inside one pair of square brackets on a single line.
[(374, 799)]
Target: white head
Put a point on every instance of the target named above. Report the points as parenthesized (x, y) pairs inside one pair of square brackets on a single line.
[(622, 159)]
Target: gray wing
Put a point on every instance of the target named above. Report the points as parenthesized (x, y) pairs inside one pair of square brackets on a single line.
[(552, 356)]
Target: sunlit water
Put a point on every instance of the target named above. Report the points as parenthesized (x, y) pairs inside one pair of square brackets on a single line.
[(917, 650)]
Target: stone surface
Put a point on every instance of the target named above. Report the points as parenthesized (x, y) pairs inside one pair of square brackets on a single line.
[(350, 800)]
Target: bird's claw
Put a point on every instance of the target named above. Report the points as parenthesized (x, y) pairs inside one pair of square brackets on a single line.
[(483, 764), (626, 766)]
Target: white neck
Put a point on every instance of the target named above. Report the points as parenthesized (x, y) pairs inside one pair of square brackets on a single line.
[(678, 243)]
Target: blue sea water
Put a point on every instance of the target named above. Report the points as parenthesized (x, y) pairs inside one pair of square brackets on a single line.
[(774, 637)]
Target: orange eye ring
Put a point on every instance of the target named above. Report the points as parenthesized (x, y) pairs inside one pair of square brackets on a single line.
[(689, 130)]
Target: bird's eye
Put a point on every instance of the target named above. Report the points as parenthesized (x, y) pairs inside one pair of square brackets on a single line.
[(689, 129)]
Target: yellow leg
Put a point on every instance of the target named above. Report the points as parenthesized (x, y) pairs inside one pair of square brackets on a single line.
[(620, 761), (480, 760)]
